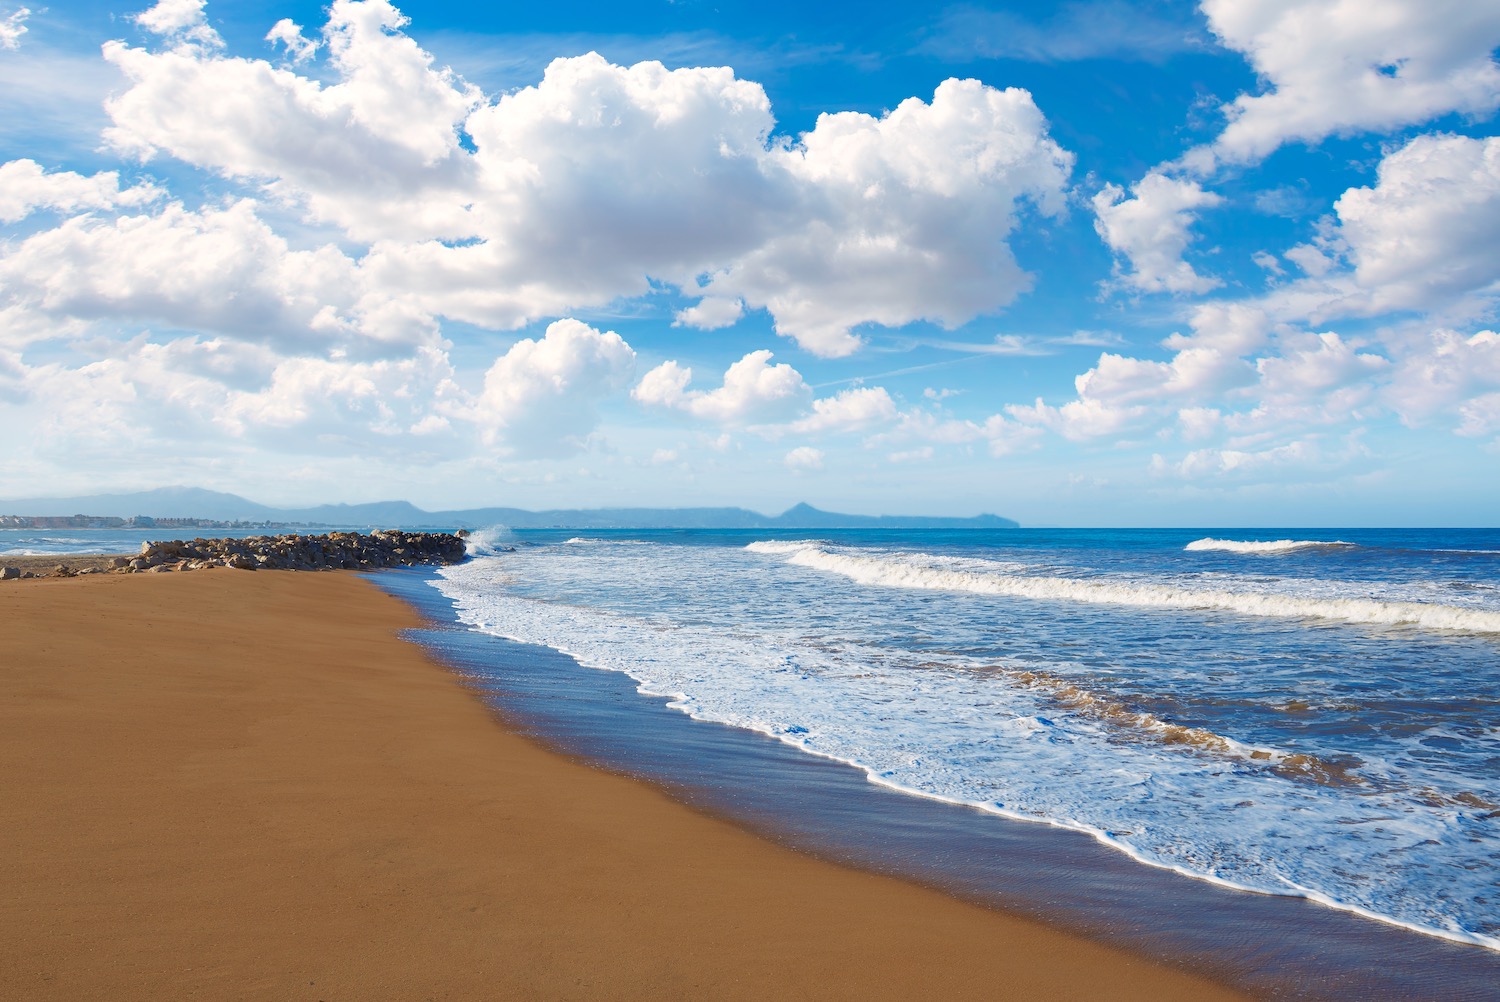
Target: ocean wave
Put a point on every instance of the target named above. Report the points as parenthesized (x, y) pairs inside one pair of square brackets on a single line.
[(775, 546), (1264, 546), (909, 571), (490, 540)]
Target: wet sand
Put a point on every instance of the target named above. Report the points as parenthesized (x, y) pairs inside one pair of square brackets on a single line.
[(246, 785), (46, 566)]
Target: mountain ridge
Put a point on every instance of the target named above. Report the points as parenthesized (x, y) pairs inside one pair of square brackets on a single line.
[(195, 502)]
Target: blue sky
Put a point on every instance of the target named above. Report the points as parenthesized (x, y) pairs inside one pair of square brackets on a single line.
[(1100, 263)]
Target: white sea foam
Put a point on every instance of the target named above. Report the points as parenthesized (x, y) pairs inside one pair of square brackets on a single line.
[(902, 570), (783, 545), (490, 540), (1265, 547)]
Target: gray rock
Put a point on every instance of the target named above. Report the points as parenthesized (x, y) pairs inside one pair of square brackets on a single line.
[(9, 573)]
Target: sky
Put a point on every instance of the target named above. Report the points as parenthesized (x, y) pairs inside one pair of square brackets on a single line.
[(1106, 263)]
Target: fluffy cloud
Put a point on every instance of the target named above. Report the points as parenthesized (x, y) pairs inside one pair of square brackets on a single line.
[(216, 270), (376, 153), (25, 187), (710, 314), (182, 21), (848, 410), (1316, 379), (1429, 229), (288, 34), (753, 390), (902, 218), (1338, 67), (541, 397), (1425, 237), (1122, 394), (594, 184), (1447, 372), (343, 401), (209, 397), (373, 196), (1151, 230), (12, 27), (1082, 419), (804, 458)]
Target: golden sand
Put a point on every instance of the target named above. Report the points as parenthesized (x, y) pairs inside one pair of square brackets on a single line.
[(245, 785)]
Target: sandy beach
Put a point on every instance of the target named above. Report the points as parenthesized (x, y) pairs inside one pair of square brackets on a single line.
[(246, 785)]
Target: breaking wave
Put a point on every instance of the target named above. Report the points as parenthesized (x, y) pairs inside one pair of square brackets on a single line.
[(912, 571), (1264, 546), (490, 540)]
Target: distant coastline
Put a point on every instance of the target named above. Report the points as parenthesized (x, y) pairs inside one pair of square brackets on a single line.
[(192, 508)]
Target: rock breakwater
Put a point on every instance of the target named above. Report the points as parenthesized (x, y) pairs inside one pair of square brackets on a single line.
[(289, 552)]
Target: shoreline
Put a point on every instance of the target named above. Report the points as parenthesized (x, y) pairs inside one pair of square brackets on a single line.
[(302, 802), (1268, 945)]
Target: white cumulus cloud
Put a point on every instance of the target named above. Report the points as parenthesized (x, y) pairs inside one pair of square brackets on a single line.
[(1447, 372), (26, 187), (182, 21), (753, 390), (288, 34), (1338, 67), (1151, 230), (595, 183), (903, 217), (215, 270), (541, 398), (848, 410), (1430, 227)]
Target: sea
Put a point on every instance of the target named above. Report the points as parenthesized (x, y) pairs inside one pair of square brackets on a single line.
[(1273, 755)]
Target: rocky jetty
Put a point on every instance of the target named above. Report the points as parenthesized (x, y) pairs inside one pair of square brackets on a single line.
[(290, 552)]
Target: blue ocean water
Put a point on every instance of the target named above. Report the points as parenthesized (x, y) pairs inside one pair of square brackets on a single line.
[(1298, 712), (44, 542)]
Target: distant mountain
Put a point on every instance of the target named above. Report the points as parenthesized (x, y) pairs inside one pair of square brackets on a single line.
[(192, 502), (163, 502)]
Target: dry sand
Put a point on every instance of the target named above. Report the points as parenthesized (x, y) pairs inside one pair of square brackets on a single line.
[(245, 785)]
